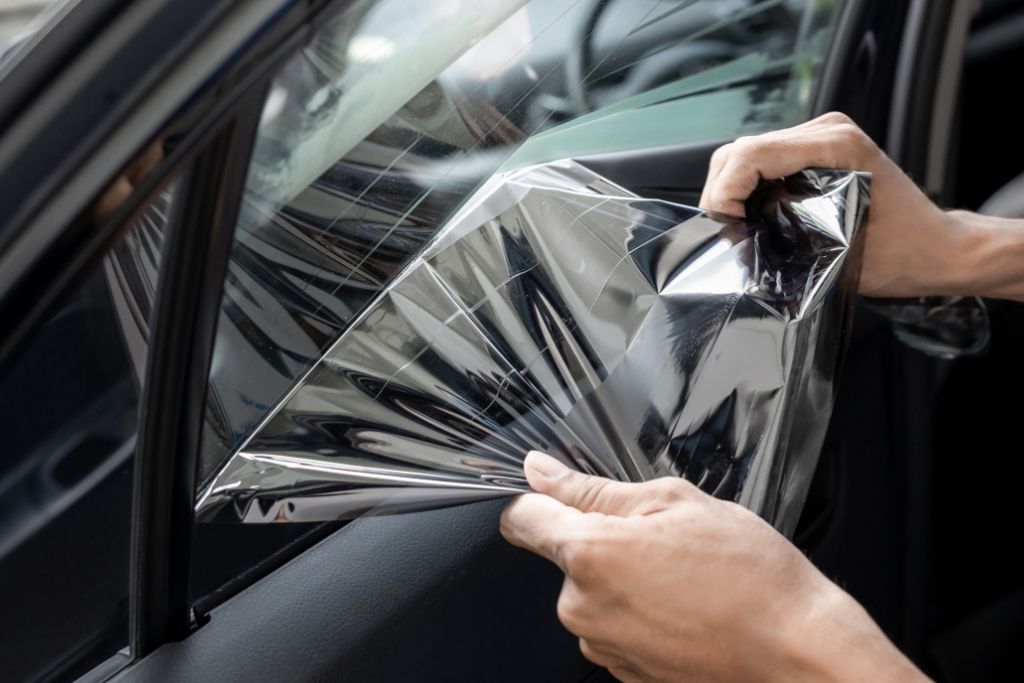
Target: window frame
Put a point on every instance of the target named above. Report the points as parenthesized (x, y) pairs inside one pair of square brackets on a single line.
[(211, 78), (73, 117), (185, 314)]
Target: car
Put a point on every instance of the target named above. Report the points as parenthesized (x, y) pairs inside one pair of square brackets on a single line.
[(199, 197)]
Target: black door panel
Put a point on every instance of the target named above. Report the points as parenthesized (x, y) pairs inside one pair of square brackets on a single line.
[(675, 173), (427, 596)]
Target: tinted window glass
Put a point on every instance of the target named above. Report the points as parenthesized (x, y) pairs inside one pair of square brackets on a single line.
[(69, 417), (375, 132), (379, 128)]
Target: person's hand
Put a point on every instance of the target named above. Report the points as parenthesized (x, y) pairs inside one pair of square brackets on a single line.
[(665, 583), (913, 248)]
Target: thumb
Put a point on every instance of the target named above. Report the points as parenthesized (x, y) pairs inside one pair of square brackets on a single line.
[(581, 491)]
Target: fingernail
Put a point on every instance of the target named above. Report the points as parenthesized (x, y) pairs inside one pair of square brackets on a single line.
[(543, 464)]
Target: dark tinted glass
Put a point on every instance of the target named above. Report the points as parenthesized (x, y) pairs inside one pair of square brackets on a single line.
[(69, 415), (377, 130)]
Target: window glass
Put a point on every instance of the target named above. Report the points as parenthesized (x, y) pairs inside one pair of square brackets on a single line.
[(380, 127), (69, 419), (377, 130)]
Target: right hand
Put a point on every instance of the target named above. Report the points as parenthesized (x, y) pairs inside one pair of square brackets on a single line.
[(913, 248), (665, 583)]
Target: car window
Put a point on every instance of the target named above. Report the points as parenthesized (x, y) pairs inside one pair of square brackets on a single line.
[(69, 419), (377, 130)]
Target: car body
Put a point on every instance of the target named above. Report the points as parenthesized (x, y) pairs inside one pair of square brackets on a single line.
[(199, 197)]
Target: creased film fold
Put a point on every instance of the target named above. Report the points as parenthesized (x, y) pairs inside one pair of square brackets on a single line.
[(629, 337)]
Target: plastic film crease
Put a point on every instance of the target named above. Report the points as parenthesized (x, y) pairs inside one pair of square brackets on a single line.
[(629, 337)]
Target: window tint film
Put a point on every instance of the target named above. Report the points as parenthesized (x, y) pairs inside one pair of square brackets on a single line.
[(69, 419), (375, 132)]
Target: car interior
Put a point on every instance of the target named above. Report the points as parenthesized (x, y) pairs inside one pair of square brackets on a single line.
[(912, 507), (975, 588)]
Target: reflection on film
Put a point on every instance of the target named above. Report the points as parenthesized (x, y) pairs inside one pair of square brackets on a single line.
[(632, 338)]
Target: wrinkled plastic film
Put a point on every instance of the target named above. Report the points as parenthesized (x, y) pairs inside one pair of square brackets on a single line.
[(630, 338), (942, 327)]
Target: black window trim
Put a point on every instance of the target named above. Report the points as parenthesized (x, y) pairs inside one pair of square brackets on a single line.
[(47, 240), (186, 313), (196, 250), (222, 113)]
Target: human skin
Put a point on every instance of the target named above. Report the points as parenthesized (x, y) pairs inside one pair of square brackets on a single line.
[(666, 583), (913, 248)]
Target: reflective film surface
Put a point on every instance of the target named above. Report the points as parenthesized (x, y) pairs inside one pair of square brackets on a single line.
[(557, 311)]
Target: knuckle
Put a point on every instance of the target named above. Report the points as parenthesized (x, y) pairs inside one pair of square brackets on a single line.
[(593, 654), (670, 489), (578, 558), (851, 135), (745, 144), (581, 558), (569, 612), (837, 117), (747, 150), (852, 147)]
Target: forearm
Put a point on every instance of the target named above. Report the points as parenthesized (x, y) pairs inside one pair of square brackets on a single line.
[(838, 642), (986, 257)]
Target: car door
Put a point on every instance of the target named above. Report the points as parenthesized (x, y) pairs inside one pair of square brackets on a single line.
[(220, 187)]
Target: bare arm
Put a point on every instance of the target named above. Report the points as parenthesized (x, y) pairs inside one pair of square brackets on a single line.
[(913, 247), (991, 262)]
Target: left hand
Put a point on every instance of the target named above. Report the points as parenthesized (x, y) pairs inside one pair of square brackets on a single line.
[(664, 582), (912, 248)]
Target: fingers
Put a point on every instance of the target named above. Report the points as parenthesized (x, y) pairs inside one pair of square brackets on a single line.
[(748, 160), (587, 493), (581, 491), (829, 141), (718, 159), (590, 623), (573, 518), (721, 155), (540, 524)]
